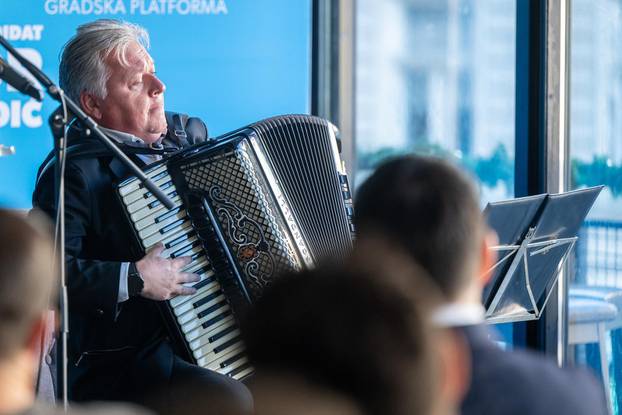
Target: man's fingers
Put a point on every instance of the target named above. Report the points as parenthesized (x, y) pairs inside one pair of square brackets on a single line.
[(185, 277), (157, 249), (182, 261), (183, 290)]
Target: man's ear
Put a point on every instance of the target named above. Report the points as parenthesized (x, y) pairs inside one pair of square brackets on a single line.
[(37, 331), (488, 257), (91, 105)]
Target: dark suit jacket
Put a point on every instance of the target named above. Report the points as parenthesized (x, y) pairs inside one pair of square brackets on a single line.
[(108, 343), (521, 383)]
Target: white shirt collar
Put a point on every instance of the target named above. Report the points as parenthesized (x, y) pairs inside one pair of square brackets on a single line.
[(133, 141), (130, 139), (459, 314)]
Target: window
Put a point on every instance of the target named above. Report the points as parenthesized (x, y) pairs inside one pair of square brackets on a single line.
[(596, 158), (438, 77)]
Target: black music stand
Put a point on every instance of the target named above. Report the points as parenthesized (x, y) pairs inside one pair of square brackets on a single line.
[(536, 236)]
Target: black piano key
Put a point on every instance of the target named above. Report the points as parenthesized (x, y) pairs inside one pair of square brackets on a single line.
[(216, 319), (223, 333), (209, 310), (239, 369), (196, 255), (231, 360), (207, 299), (185, 249), (159, 175), (204, 282), (163, 187), (167, 215), (226, 344), (156, 202), (179, 240), (171, 226), (155, 178), (153, 204), (204, 269)]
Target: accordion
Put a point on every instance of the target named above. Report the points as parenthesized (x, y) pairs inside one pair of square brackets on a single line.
[(249, 205)]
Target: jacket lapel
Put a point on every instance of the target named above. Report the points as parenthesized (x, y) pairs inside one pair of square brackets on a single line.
[(120, 170)]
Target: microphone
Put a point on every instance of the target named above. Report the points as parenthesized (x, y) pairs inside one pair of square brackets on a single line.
[(18, 82)]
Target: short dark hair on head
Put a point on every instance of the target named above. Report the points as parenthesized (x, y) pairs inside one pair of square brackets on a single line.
[(26, 279), (359, 330), (431, 208)]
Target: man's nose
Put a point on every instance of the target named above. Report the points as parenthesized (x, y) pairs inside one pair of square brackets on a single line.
[(157, 86)]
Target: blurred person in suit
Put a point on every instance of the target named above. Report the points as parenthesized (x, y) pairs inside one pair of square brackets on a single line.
[(353, 339), (430, 208)]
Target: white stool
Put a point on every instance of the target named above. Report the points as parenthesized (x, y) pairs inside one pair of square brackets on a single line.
[(587, 323)]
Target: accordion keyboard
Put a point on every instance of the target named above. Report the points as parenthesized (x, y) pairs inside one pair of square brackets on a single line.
[(205, 318)]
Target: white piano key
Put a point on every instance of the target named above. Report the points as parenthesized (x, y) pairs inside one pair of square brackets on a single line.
[(214, 364), (151, 200), (213, 309), (151, 220), (188, 306), (142, 210), (137, 188), (203, 342), (165, 184), (154, 239), (208, 358), (188, 313), (242, 360), (222, 313), (241, 375), (156, 227), (207, 348), (197, 264), (211, 290), (211, 360), (184, 245), (188, 250), (179, 300), (185, 231), (213, 333), (134, 184), (221, 325)]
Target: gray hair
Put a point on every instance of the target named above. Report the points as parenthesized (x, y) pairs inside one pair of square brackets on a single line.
[(82, 65)]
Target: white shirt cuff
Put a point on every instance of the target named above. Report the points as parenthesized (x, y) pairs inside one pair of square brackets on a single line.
[(123, 293)]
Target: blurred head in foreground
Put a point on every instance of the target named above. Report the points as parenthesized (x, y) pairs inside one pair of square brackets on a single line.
[(358, 332), (27, 279), (430, 208)]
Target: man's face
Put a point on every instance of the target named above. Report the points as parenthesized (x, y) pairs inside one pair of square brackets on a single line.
[(135, 100)]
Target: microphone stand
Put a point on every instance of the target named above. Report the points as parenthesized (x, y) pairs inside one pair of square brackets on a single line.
[(58, 123)]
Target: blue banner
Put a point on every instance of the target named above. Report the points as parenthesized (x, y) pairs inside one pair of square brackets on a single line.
[(230, 62)]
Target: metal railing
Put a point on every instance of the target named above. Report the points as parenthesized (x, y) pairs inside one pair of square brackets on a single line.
[(599, 253)]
